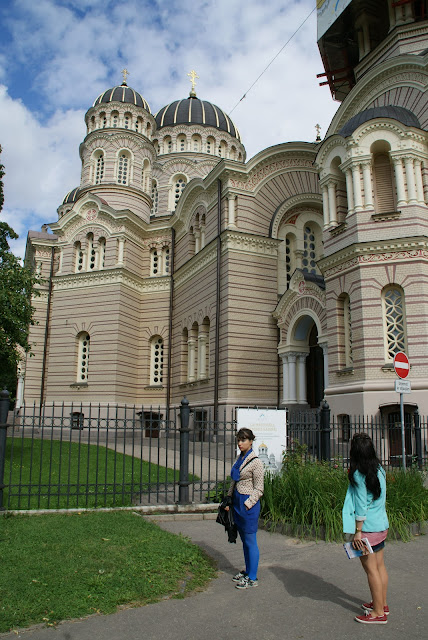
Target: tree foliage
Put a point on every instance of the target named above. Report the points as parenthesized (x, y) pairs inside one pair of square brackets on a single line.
[(16, 311)]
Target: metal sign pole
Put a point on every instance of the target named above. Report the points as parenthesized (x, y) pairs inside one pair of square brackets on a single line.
[(403, 438)]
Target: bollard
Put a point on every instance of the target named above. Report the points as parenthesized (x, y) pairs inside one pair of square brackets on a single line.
[(4, 410), (325, 430), (183, 482), (418, 438)]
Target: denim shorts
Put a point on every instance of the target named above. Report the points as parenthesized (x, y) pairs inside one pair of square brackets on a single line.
[(378, 547)]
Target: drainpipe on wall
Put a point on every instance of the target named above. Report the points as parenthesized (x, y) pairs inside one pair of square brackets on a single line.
[(45, 347), (217, 313), (171, 306)]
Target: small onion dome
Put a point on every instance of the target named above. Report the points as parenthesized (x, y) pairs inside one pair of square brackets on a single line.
[(122, 94), (72, 196), (387, 111), (192, 110)]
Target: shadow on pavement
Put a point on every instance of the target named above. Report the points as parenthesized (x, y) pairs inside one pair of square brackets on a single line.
[(302, 584)]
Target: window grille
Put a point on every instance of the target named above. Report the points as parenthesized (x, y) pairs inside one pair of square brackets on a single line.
[(394, 322), (99, 168), (155, 262), (157, 361), (179, 187), (122, 176), (309, 257), (83, 360), (155, 197)]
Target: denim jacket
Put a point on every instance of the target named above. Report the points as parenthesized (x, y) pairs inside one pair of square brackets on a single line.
[(360, 505)]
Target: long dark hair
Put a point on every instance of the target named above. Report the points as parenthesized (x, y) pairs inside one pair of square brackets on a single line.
[(364, 459)]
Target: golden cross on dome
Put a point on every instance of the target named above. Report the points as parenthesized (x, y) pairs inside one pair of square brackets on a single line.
[(125, 74), (192, 75)]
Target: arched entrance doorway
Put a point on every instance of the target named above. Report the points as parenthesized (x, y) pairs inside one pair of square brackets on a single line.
[(314, 370)]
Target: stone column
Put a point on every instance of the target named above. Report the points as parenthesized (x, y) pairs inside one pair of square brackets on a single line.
[(191, 359), (120, 251), (231, 211), (202, 236), (301, 374), (325, 206), (356, 181), (332, 202), (399, 179), (419, 183), (60, 259), (410, 178), (367, 182), (324, 347), (292, 378), (285, 378), (197, 235), (349, 190), (20, 391)]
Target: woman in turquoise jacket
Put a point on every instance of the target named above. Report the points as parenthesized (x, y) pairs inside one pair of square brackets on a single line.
[(364, 516)]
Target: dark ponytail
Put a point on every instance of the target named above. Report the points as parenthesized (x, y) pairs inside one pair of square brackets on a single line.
[(364, 459)]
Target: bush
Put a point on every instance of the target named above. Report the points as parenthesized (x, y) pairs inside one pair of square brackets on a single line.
[(308, 496)]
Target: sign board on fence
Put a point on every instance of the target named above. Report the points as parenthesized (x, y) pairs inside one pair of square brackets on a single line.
[(403, 386), (401, 365), (270, 428)]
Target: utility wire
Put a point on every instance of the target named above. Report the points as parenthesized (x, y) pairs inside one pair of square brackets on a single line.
[(273, 59)]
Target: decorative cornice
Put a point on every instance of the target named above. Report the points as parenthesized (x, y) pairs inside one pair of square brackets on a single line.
[(290, 205), (299, 288), (383, 251), (109, 277), (270, 168), (249, 244)]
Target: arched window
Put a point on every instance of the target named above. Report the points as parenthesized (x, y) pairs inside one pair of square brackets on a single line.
[(123, 168), (203, 349), (127, 121), (394, 321), (91, 256), (181, 143), (155, 197), (309, 249), (103, 120), (184, 355), (114, 119), (139, 124), (179, 184), (148, 129), (145, 177), (167, 144), (290, 259), (210, 145), (83, 356), (79, 260), (166, 260), (345, 331), (99, 167), (156, 360), (196, 143), (383, 183), (154, 263)]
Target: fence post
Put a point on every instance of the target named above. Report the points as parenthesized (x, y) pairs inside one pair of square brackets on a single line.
[(4, 410), (325, 430), (418, 438), (183, 482)]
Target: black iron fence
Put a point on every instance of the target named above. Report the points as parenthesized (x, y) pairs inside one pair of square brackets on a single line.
[(75, 456)]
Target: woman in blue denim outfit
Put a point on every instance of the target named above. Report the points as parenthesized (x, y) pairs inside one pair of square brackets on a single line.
[(364, 516)]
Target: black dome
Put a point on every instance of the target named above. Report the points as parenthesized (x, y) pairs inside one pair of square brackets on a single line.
[(72, 196), (194, 111), (122, 94), (388, 111)]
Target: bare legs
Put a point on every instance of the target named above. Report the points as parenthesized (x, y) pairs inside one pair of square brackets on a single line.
[(377, 576)]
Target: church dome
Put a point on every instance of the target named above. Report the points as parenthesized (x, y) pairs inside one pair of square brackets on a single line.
[(192, 110), (387, 111), (124, 94), (72, 196)]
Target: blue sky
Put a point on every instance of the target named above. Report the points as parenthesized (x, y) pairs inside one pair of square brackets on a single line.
[(57, 56)]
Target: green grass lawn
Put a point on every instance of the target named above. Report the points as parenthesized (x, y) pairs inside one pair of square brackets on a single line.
[(56, 567), (75, 475)]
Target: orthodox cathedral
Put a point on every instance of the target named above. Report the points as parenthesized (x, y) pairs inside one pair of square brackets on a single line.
[(177, 267)]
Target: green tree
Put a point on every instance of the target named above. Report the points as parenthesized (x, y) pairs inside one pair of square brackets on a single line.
[(16, 311)]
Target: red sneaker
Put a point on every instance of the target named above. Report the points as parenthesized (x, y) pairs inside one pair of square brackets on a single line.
[(368, 606), (368, 619)]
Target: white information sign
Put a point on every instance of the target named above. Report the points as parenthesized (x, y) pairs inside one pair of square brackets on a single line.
[(270, 428), (327, 12), (403, 386)]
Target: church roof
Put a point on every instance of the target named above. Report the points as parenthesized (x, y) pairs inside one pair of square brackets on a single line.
[(72, 196), (192, 110), (122, 93), (387, 111)]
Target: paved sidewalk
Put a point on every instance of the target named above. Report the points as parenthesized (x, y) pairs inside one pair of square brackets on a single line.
[(308, 591)]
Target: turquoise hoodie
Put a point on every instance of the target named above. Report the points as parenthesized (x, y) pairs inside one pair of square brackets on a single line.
[(360, 505)]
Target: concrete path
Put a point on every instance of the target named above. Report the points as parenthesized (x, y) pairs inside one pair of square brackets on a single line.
[(307, 591)]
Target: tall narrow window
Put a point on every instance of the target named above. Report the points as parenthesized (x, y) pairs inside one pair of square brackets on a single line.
[(115, 119), (145, 176), (349, 359), (383, 183), (79, 257), (123, 168), (155, 197), (182, 143), (165, 256), (99, 167), (127, 119), (83, 357), (394, 321), (91, 259), (180, 183), (309, 256), (290, 256), (156, 364), (102, 252), (154, 260), (103, 120)]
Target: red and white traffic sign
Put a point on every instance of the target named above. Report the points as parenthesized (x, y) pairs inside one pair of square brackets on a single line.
[(401, 365)]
